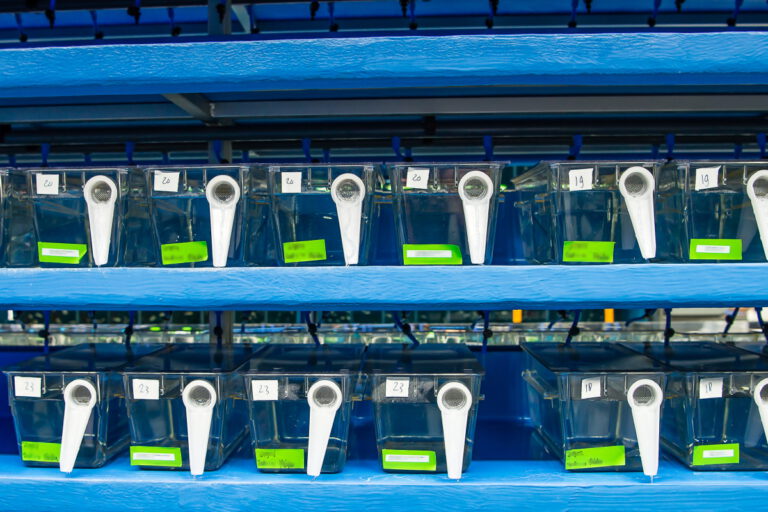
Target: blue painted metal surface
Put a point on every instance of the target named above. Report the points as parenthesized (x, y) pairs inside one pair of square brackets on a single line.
[(719, 59), (386, 288)]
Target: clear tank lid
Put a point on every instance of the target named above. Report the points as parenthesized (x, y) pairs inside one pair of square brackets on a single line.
[(591, 357), (294, 358), (703, 356), (201, 357), (88, 357), (426, 359)]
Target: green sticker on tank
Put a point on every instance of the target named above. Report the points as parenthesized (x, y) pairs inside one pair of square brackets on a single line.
[(286, 458), (184, 252), (431, 254), (71, 254), (715, 249), (588, 252), (40, 452), (159, 456), (709, 454), (602, 457), (408, 460), (308, 250)]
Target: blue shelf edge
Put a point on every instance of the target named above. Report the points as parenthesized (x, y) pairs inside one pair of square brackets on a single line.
[(386, 288), (640, 59), (490, 485)]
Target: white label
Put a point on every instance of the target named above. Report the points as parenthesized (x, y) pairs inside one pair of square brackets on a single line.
[(165, 457), (47, 184), (397, 457), (417, 177), (28, 386), (166, 181), (290, 182), (580, 179), (590, 388), (426, 253), (264, 389), (711, 388), (713, 249), (67, 253), (146, 389), (716, 454), (397, 388), (706, 177)]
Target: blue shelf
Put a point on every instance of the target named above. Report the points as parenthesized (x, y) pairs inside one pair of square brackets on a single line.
[(630, 59), (490, 485), (386, 288)]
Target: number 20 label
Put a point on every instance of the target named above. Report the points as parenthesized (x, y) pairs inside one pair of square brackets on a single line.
[(397, 388), (262, 390)]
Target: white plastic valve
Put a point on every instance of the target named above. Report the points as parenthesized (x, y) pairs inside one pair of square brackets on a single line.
[(645, 397), (199, 398), (637, 185), (100, 195), (757, 191), (222, 193), (760, 395), (348, 192), (79, 398), (475, 191), (454, 401), (324, 398)]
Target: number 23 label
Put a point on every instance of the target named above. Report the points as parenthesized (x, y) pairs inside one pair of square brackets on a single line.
[(397, 388), (264, 389)]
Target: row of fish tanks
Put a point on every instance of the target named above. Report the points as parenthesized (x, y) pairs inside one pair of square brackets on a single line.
[(410, 214), (417, 398)]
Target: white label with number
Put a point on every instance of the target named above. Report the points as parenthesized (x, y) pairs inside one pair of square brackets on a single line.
[(166, 181), (707, 177), (397, 388), (711, 388), (146, 389), (580, 179), (590, 388), (417, 177), (28, 386), (47, 184), (264, 389), (290, 182)]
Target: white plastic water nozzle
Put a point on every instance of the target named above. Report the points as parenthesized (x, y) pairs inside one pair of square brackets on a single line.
[(645, 397), (760, 395), (348, 192), (324, 398), (100, 194), (199, 398), (222, 193), (757, 191), (475, 191), (454, 401), (79, 398), (637, 185)]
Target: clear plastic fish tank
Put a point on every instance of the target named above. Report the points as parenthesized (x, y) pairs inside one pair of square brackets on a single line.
[(716, 397), (445, 214), (197, 214), (597, 405), (322, 213), (184, 409), (601, 212), (724, 200), (425, 400), (68, 406), (300, 402), (67, 217)]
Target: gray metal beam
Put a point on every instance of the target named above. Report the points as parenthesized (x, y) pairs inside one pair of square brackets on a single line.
[(196, 105), (103, 112)]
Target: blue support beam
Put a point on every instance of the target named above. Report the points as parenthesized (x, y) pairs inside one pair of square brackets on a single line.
[(630, 59)]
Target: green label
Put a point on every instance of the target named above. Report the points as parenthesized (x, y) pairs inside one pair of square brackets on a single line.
[(715, 249), (708, 454), (408, 460), (308, 250), (166, 457), (280, 459), (185, 252), (431, 254), (588, 252), (40, 452), (595, 457), (71, 254)]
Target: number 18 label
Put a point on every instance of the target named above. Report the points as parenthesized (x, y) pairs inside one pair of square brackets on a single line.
[(397, 388), (711, 388), (590, 388)]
